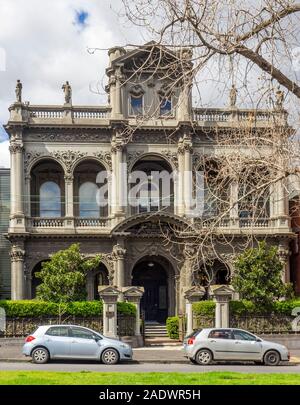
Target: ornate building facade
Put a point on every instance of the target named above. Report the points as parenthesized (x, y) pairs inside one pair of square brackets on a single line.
[(56, 154)]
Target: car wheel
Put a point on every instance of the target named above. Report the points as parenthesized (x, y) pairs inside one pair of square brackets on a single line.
[(40, 355), (110, 356), (272, 358), (203, 357)]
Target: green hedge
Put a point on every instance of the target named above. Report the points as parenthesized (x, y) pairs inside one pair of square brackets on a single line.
[(244, 307), (172, 325), (32, 308)]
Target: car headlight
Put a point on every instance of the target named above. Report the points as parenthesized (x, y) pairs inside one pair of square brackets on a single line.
[(125, 345)]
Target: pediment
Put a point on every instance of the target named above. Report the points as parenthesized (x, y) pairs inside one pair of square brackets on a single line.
[(133, 291), (221, 289), (108, 290)]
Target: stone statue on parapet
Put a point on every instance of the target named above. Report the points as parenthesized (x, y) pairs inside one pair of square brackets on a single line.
[(279, 99), (18, 91), (232, 96), (67, 92)]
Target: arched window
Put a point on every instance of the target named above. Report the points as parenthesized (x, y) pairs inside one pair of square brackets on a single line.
[(165, 106), (136, 106), (88, 206), (50, 199)]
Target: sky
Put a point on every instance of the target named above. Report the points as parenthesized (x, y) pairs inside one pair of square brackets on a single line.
[(44, 43)]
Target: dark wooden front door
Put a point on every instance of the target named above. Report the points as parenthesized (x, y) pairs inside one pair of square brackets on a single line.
[(154, 302)]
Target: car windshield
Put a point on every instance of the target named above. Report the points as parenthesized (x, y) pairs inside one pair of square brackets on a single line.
[(193, 334)]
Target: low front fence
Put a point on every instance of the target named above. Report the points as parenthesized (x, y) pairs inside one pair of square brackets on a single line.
[(258, 324), (23, 326)]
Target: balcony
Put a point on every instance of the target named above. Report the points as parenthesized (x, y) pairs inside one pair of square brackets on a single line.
[(67, 225), (61, 114)]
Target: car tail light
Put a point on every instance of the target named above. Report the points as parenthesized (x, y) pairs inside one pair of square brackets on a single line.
[(29, 339), (191, 340)]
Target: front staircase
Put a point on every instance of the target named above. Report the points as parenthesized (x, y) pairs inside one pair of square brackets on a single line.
[(156, 335)]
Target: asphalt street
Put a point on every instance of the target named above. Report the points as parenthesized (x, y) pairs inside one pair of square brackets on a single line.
[(147, 367)]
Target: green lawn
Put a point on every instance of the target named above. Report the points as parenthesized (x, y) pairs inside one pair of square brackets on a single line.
[(114, 378)]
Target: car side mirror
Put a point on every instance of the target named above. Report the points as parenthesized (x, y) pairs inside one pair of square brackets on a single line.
[(258, 340), (97, 338)]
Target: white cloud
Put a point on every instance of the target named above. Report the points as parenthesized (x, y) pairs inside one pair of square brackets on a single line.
[(4, 154), (44, 47)]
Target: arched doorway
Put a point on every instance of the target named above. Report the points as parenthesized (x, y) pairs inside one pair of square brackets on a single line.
[(157, 301), (212, 272), (95, 278), (35, 281)]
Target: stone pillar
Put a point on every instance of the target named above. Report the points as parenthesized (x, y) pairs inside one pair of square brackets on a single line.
[(119, 255), (115, 82), (17, 271), (188, 179), (284, 254), (118, 182), (17, 218), (109, 295), (180, 180), (222, 294), (281, 204), (234, 209), (191, 295), (27, 196), (134, 294), (69, 202)]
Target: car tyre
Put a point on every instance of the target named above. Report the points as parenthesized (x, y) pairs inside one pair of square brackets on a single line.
[(203, 357), (272, 358), (193, 361), (40, 355), (110, 357)]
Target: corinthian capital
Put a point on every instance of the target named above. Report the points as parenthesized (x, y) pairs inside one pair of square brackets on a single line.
[(17, 255), (119, 252), (16, 147)]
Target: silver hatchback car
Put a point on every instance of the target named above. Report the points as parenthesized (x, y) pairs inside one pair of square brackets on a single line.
[(74, 342), (205, 345)]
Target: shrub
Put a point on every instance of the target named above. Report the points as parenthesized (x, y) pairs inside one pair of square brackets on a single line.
[(173, 327), (244, 307), (35, 308)]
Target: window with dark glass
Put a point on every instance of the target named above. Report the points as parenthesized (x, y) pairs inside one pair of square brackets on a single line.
[(58, 331), (82, 333), (220, 334), (241, 335), (165, 106), (136, 105)]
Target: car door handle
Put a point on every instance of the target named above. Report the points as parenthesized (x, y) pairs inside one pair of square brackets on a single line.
[(237, 343), (212, 341), (73, 341)]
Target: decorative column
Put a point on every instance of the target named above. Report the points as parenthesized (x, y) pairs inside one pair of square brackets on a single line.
[(234, 208), (284, 255), (17, 271), (17, 218), (134, 294), (188, 178), (191, 295), (69, 202), (180, 179), (119, 254), (27, 195), (115, 82), (109, 295), (118, 181), (281, 204), (221, 294)]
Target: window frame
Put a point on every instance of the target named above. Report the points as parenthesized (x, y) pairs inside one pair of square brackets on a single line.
[(58, 327), (130, 112), (221, 330), (93, 334)]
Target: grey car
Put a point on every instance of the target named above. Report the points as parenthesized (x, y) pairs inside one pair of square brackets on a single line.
[(205, 345), (74, 342)]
